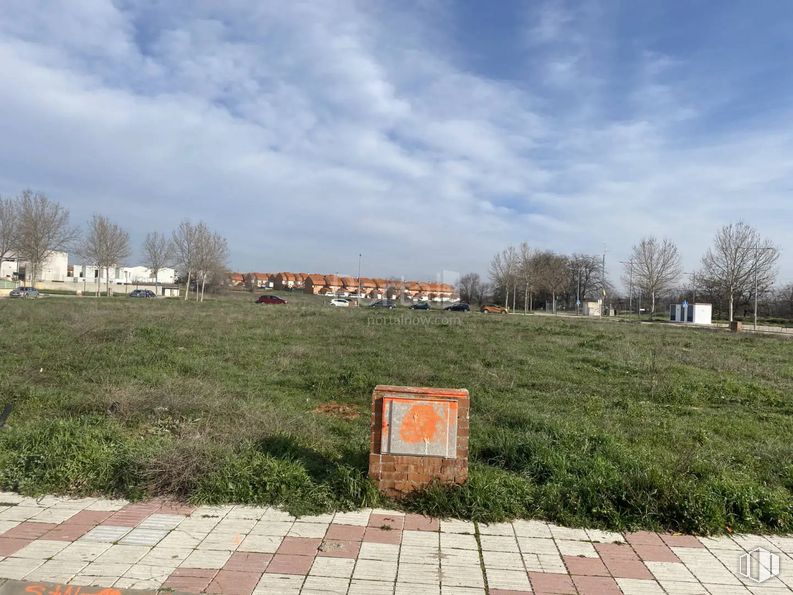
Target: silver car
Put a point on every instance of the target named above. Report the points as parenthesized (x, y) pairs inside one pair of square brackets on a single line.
[(24, 292)]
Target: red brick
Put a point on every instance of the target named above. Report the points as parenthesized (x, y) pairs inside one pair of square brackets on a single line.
[(377, 535), (11, 545), (338, 548), (643, 538), (627, 568), (345, 532), (29, 530), (656, 553), (234, 582), (544, 583), (418, 522), (302, 546), (290, 564), (68, 532), (386, 520), (248, 562), (682, 541), (89, 517), (596, 585), (189, 580)]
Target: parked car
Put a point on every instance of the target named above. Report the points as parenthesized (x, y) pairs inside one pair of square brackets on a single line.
[(340, 303), (459, 307), (24, 292), (142, 293), (493, 309), (420, 306), (389, 304), (270, 299)]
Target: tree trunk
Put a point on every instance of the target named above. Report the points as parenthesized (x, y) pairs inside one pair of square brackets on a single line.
[(731, 306), (187, 287), (506, 296), (203, 285), (525, 299), (553, 302), (652, 308)]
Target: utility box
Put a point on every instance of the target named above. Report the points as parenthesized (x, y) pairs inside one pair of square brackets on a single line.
[(591, 308), (418, 435), (691, 313)]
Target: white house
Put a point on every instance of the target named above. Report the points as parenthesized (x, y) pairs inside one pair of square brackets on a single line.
[(54, 268), (123, 275)]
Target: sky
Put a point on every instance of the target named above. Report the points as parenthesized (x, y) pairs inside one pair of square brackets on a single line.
[(424, 135)]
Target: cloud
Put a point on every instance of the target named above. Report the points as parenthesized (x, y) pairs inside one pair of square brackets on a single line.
[(309, 132)]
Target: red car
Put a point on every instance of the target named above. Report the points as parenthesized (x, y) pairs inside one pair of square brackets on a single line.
[(270, 299)]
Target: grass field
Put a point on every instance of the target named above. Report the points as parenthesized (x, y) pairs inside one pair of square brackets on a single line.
[(607, 424)]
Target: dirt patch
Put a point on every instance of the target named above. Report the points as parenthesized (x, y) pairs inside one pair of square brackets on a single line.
[(337, 410)]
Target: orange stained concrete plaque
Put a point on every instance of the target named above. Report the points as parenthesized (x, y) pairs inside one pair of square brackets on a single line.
[(419, 426)]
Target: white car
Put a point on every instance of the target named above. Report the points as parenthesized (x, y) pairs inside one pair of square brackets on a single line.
[(340, 303)]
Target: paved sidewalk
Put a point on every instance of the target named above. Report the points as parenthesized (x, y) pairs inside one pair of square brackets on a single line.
[(242, 550)]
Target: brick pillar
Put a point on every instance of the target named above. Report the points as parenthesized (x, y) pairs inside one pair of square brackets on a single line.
[(426, 437)]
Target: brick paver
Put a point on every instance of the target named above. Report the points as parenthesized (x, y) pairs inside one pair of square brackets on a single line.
[(245, 550)]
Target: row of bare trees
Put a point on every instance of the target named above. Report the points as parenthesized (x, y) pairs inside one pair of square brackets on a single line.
[(32, 228), (739, 267), (521, 275)]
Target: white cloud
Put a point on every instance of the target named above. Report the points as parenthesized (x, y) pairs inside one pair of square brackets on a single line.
[(309, 132)]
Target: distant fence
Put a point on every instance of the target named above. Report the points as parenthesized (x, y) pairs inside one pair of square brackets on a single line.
[(4, 284)]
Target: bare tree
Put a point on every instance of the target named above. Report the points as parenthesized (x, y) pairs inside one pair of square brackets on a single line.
[(157, 253), (655, 266), (503, 272), (586, 272), (527, 273), (553, 272), (43, 228), (106, 245), (211, 256), (784, 300), (9, 219), (183, 240), (740, 263), (469, 287)]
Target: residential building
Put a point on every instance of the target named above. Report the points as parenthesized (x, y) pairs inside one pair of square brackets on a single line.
[(54, 268)]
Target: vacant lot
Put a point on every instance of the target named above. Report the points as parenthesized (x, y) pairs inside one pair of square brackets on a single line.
[(600, 423)]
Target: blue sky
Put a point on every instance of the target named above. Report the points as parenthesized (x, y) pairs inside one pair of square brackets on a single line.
[(426, 135)]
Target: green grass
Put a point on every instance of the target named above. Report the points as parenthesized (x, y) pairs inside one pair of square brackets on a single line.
[(599, 423)]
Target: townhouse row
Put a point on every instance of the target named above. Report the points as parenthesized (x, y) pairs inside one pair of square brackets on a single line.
[(345, 286)]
